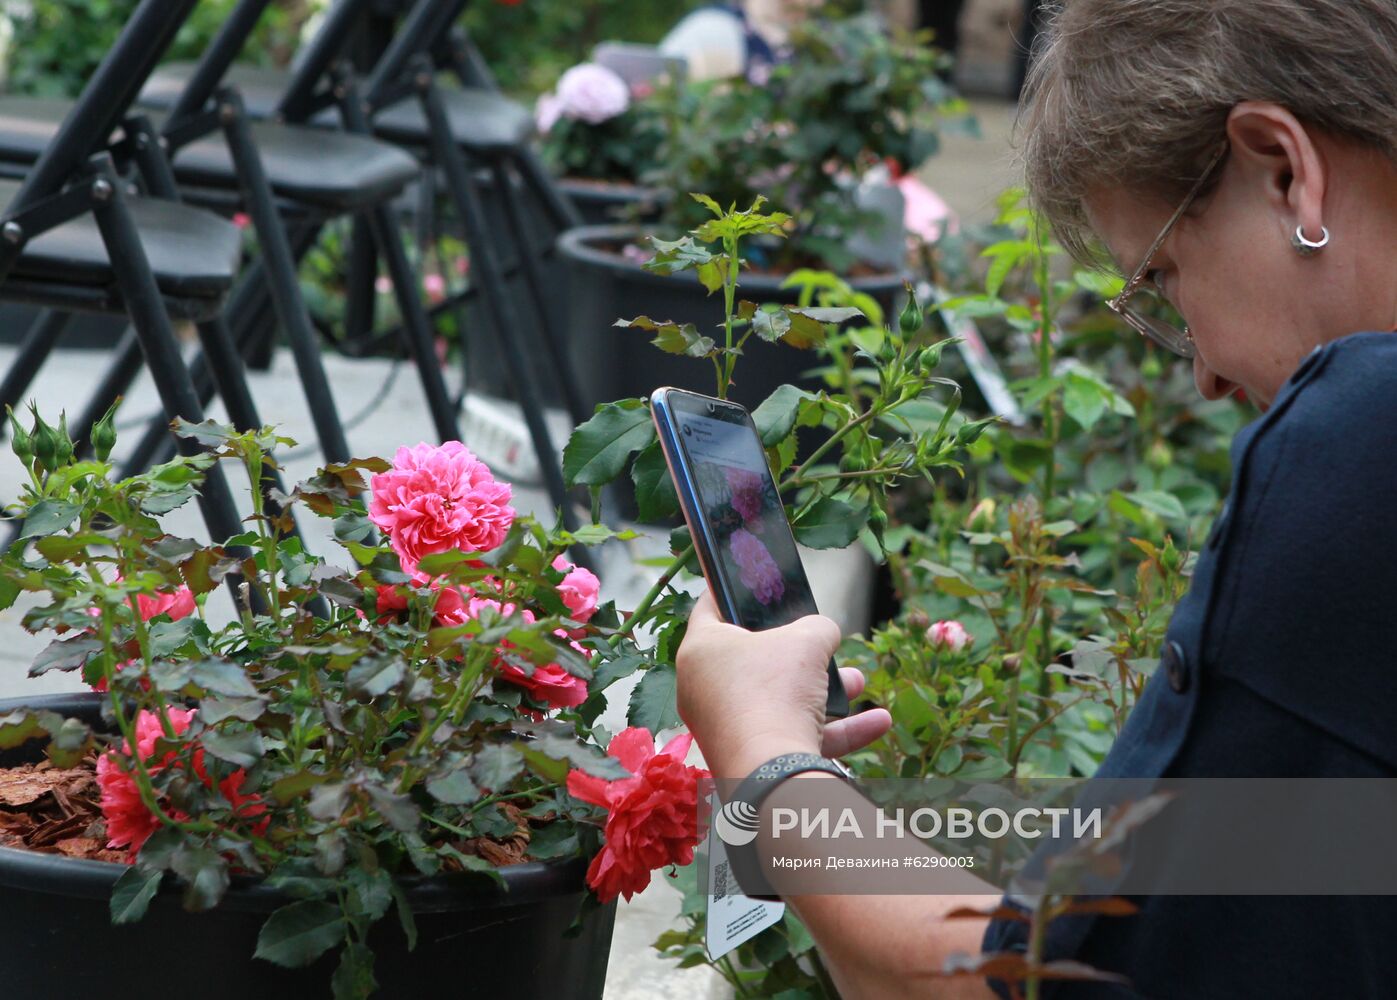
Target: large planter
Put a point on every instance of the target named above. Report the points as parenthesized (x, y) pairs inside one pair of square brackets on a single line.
[(613, 362), (474, 940), (611, 202)]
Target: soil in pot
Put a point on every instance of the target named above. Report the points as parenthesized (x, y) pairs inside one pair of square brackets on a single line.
[(474, 938)]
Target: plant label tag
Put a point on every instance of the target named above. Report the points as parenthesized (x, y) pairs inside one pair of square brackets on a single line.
[(732, 918)]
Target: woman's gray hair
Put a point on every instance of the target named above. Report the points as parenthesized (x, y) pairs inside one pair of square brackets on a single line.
[(1136, 93)]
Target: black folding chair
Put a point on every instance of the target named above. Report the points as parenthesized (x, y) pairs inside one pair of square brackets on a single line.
[(283, 176), (73, 239), (457, 130)]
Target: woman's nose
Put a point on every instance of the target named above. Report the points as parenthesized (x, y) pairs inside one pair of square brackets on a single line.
[(1210, 384)]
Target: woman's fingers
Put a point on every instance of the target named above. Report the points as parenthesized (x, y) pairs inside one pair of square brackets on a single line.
[(853, 681), (847, 735)]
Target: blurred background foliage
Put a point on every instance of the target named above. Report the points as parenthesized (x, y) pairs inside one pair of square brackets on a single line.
[(55, 44)]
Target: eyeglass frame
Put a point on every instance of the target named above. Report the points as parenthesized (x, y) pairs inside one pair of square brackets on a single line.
[(1118, 303)]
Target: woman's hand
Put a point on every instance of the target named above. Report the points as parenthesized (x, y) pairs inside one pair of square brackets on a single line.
[(750, 696)]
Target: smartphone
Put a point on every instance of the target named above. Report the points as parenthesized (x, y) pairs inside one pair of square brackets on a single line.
[(735, 515)]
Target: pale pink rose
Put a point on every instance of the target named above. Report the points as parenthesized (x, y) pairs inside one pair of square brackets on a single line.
[(439, 499), (547, 112), (950, 635), (580, 589), (592, 93), (757, 570), (747, 494), (383, 284), (550, 682), (435, 286)]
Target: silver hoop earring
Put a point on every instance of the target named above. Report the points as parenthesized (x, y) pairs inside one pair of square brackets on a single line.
[(1306, 247)]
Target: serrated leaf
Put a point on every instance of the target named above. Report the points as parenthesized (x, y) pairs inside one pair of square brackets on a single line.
[(776, 416), (495, 765), (374, 676), (65, 654), (830, 524), (243, 749), (599, 449), (49, 516), (772, 325), (655, 496), (299, 933), (652, 703), (454, 789), (132, 893)]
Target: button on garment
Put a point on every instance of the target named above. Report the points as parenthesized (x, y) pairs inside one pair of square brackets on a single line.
[(1174, 662)]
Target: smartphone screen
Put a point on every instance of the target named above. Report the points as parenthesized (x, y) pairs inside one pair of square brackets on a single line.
[(720, 468)]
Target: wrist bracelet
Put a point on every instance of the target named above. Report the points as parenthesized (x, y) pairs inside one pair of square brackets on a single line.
[(743, 809)]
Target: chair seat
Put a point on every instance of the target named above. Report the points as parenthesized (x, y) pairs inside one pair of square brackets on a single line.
[(194, 254), (333, 170), (480, 119), (261, 88)]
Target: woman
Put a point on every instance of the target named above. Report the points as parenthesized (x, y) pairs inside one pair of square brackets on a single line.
[(1240, 156)]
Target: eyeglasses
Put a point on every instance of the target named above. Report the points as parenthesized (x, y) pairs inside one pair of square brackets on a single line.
[(1164, 333)]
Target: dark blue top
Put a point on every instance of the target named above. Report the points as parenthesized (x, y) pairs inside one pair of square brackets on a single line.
[(1284, 667)]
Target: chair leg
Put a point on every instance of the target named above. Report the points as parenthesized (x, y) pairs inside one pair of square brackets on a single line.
[(360, 297), (286, 291), (416, 327), (157, 336), (485, 268), (533, 277), (34, 350)]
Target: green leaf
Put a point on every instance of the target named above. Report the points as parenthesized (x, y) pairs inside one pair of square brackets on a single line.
[(65, 654), (374, 676), (354, 976), (495, 765), (222, 677), (672, 338), (166, 637), (655, 497), (132, 893), (1166, 505), (49, 516), (454, 789), (299, 933), (652, 703), (776, 416), (205, 875), (771, 325), (1083, 401), (830, 524), (598, 450), (243, 749), (398, 811), (613, 670)]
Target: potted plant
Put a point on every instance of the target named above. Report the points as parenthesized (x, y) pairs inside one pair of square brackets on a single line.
[(814, 135), (600, 134), (402, 785)]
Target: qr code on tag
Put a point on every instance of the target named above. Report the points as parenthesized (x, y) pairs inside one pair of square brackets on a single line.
[(720, 881)]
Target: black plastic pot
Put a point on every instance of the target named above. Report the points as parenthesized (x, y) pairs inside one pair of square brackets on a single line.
[(613, 362), (609, 202), (474, 940)]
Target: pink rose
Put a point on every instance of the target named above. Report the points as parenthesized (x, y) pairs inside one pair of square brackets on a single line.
[(580, 589), (757, 570), (177, 605), (129, 822), (439, 499), (549, 682), (449, 609), (950, 635), (592, 93), (652, 816), (747, 492), (435, 286)]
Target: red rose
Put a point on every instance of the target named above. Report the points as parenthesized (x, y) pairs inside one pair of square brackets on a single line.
[(653, 815)]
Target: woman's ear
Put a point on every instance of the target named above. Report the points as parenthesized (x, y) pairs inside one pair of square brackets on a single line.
[(1275, 149)]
